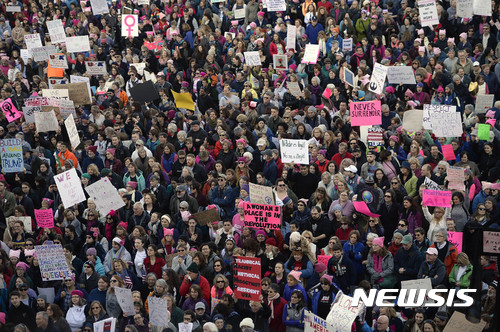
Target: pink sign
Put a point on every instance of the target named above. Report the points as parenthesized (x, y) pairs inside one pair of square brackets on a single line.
[(456, 238), (44, 218), (10, 111), (436, 198), (366, 113), (262, 216), (324, 259), (361, 207), (448, 153), (327, 93)]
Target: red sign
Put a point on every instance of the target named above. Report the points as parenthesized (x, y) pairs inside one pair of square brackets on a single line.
[(247, 278)]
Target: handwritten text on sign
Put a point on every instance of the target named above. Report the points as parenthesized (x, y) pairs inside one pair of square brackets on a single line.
[(52, 262), (294, 150), (44, 218), (11, 153), (70, 188), (247, 278), (262, 216), (366, 113), (342, 314), (456, 239), (491, 242), (313, 323), (436, 198)]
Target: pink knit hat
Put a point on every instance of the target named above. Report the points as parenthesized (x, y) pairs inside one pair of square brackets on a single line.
[(295, 274), (379, 241), (327, 277)]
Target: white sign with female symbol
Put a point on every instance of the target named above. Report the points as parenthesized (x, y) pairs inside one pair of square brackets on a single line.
[(130, 25)]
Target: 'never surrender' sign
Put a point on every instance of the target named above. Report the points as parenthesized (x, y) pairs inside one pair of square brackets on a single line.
[(262, 216), (366, 113)]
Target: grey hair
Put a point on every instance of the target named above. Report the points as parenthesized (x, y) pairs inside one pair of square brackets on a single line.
[(162, 283), (371, 236), (211, 327), (443, 231)]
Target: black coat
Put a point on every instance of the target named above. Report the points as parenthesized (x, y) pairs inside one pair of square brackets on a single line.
[(22, 314)]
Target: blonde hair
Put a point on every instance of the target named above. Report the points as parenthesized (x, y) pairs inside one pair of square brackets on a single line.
[(463, 259)]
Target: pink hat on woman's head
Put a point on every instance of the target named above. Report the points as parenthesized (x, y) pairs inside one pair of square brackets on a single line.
[(327, 277), (463, 35), (295, 274), (241, 205), (490, 114), (168, 231), (394, 138), (451, 40), (379, 241), (15, 253)]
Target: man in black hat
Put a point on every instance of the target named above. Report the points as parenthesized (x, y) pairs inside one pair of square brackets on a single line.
[(197, 133), (193, 276)]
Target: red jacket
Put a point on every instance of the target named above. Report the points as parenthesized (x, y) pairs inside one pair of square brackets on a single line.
[(156, 268), (276, 324), (202, 282), (337, 158)]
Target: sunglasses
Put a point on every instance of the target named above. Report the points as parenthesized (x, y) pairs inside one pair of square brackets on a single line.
[(220, 281), (113, 280), (402, 225), (482, 209)]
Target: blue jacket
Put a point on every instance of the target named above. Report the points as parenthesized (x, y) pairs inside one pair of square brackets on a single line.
[(479, 199), (287, 293), (97, 295), (409, 260), (306, 273), (270, 171), (224, 199), (357, 249), (312, 32)]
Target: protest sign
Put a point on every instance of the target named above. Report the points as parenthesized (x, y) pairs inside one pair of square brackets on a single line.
[(261, 194), (99, 7), (311, 54), (70, 188), (96, 67), (436, 198), (56, 31), (246, 274), (412, 120), (80, 79), (431, 184), (401, 75), (105, 325), (11, 153), (459, 323), (53, 265), (428, 13), (276, 5), (25, 55), (48, 292), (464, 8), (324, 259), (280, 62), (28, 227), (46, 121), (481, 7), (456, 238), (448, 153), (130, 25), (29, 111), (70, 125), (183, 327), (377, 80), (262, 216), (416, 284), (483, 131), (239, 13), (44, 218), (291, 36), (361, 207), (483, 103), (252, 58), (183, 100), (435, 111), (456, 178), (78, 92), (375, 136), (55, 81), (32, 41), (143, 2), (349, 77), (294, 150), (366, 113), (158, 312), (124, 297), (58, 93), (78, 44), (207, 216), (39, 54), (12, 9), (447, 124), (146, 92), (10, 111), (491, 242), (105, 196), (342, 313), (313, 323), (140, 67), (347, 45), (294, 89)]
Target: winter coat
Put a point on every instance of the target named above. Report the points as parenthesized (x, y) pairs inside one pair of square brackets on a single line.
[(464, 278), (387, 267), (410, 260), (295, 321)]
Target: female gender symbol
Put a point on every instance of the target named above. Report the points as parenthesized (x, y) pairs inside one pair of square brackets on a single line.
[(130, 26)]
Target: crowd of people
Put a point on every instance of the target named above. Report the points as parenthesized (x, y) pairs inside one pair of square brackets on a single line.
[(169, 163)]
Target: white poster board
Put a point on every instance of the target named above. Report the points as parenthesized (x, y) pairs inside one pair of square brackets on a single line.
[(276, 5), (32, 41), (294, 150), (464, 8), (158, 313), (342, 314), (70, 188), (99, 7), (130, 25), (105, 325), (46, 121), (56, 31), (294, 89), (78, 44), (105, 196), (53, 265), (412, 120), (252, 58), (280, 62), (291, 37), (377, 80), (428, 13), (401, 74), (347, 44), (70, 125), (416, 284), (484, 102), (261, 194), (124, 297), (482, 7), (96, 67), (435, 110), (311, 53), (313, 323), (239, 13), (447, 125)]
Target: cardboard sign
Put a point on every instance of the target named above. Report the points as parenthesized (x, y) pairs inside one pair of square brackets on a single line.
[(347, 45), (294, 89), (252, 58), (124, 297), (52, 262), (483, 103), (78, 44), (291, 37), (294, 150), (280, 62), (366, 113), (11, 153), (81, 79), (412, 120), (207, 216), (70, 188), (10, 111), (491, 242), (96, 67), (435, 111), (105, 196), (313, 323), (324, 259), (375, 136), (456, 178), (276, 5), (459, 323), (183, 100), (428, 13), (464, 10), (262, 216), (99, 7), (401, 75), (46, 121), (416, 284), (261, 194), (158, 312), (44, 218), (456, 238), (448, 125), (247, 275), (377, 80), (342, 314), (78, 92), (130, 25), (311, 53), (481, 7), (105, 325), (146, 92), (56, 31), (448, 153), (436, 198)]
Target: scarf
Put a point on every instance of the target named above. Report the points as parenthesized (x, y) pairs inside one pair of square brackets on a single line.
[(114, 256), (270, 302), (377, 265)]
